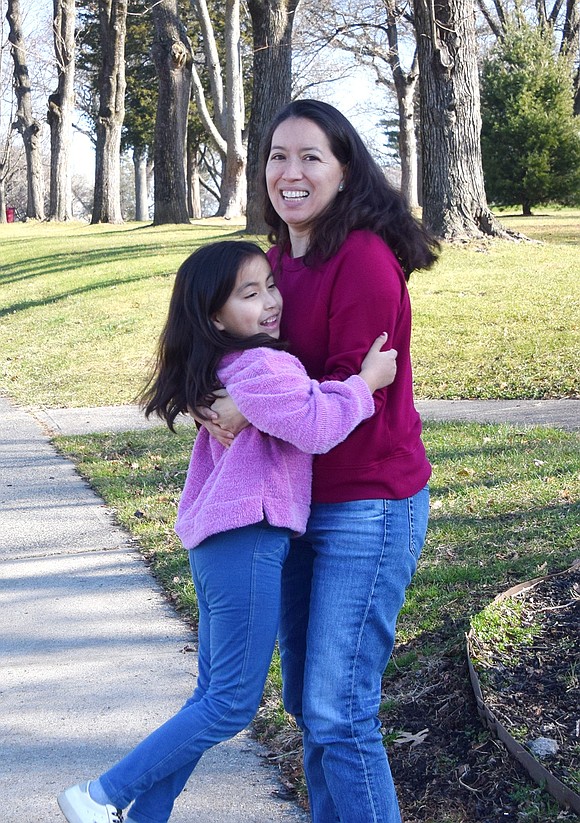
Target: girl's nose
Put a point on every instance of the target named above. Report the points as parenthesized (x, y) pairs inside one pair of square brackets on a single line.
[(271, 300)]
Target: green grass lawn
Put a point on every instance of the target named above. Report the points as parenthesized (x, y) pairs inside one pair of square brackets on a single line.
[(81, 308), (80, 311)]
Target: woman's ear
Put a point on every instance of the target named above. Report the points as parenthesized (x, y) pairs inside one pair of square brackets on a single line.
[(217, 323)]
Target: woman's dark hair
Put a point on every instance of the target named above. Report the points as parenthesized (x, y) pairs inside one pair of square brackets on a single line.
[(367, 201), (191, 346)]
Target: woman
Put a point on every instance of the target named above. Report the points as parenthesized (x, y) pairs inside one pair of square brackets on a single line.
[(344, 244)]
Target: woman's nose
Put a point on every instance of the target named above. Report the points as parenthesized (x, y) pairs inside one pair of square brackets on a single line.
[(292, 169)]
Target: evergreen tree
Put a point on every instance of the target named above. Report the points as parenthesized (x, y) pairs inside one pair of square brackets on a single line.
[(530, 139)]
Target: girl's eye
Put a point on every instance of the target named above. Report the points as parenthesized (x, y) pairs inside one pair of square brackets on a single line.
[(248, 296), (277, 157)]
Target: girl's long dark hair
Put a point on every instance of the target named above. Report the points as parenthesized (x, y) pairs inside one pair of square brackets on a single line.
[(190, 346), (367, 201)]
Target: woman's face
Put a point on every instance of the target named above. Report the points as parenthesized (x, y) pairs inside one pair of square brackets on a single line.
[(302, 174)]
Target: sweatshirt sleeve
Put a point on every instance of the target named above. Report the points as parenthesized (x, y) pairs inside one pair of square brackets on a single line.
[(273, 391), (368, 297)]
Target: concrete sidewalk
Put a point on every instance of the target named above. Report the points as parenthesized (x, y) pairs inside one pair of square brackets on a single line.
[(563, 414), (93, 656)]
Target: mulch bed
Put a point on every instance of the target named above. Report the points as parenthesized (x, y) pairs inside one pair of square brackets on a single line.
[(533, 688), (447, 766)]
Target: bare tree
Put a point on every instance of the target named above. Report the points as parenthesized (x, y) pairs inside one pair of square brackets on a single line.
[(28, 126), (60, 111), (226, 125), (272, 22), (173, 60), (194, 184), (141, 184), (379, 35), (5, 138), (5, 171), (113, 27), (454, 200)]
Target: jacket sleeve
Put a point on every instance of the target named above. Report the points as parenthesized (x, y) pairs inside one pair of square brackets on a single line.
[(273, 391)]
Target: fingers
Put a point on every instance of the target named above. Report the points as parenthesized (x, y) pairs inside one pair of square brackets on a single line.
[(380, 341)]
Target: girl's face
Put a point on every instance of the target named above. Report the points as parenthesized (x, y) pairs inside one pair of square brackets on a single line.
[(255, 304), (302, 174)]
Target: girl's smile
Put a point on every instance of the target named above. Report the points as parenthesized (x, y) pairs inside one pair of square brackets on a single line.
[(255, 304)]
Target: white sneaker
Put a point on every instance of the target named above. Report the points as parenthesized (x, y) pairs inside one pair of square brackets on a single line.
[(78, 807)]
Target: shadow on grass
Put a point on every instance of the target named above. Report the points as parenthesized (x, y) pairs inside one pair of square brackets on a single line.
[(75, 260)]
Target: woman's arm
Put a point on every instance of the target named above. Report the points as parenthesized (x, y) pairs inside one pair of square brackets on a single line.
[(272, 389)]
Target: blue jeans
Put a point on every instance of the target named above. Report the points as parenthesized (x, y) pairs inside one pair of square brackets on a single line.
[(342, 589), (237, 577)]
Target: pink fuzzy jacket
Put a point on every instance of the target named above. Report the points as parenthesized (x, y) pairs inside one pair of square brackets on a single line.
[(267, 471)]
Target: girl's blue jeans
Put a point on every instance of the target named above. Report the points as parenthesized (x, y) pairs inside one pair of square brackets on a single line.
[(237, 577), (342, 589)]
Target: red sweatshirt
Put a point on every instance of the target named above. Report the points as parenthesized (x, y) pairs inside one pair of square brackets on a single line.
[(332, 314)]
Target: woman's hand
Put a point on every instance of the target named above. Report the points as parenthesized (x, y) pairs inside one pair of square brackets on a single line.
[(225, 420), (379, 368)]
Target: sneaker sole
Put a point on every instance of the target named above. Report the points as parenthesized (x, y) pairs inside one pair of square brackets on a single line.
[(67, 809)]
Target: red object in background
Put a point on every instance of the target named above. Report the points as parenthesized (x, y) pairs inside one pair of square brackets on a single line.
[(10, 214)]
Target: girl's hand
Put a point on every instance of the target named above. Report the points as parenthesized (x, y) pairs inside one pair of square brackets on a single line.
[(379, 368)]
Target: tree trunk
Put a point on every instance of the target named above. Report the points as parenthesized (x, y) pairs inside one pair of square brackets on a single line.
[(233, 185), (405, 86), (3, 218), (193, 184), (173, 60), (272, 22), (60, 111), (113, 27), (141, 188), (454, 201), (408, 148), (28, 126)]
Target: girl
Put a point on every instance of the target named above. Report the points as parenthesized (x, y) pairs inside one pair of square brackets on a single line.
[(239, 507)]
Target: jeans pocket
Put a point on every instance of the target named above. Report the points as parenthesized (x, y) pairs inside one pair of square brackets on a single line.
[(419, 517)]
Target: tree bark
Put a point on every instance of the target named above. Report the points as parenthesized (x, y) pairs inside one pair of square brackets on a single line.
[(25, 123), (272, 22), (233, 186), (193, 184), (60, 111), (454, 201), (141, 188), (173, 60), (113, 28), (405, 86)]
